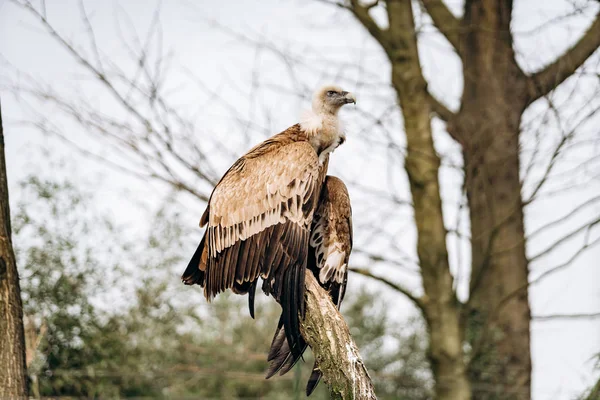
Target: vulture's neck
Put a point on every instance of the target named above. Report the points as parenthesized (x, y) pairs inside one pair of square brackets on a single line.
[(324, 132)]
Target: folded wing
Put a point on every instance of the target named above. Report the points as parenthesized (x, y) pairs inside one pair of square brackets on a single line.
[(259, 219), (331, 238)]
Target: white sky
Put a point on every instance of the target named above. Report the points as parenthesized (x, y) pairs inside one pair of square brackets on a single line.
[(561, 350)]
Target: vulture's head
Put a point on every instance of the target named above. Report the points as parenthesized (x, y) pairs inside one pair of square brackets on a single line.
[(330, 98)]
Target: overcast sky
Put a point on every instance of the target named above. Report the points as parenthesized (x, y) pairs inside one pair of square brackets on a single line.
[(562, 351)]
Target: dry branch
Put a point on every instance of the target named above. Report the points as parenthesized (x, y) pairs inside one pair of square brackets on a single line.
[(555, 317), (440, 109), (362, 14), (417, 301), (444, 21), (548, 79), (327, 334)]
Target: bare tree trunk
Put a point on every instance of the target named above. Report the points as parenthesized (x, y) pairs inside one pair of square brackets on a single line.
[(441, 307), (487, 125), (496, 319), (498, 322), (336, 353), (13, 381)]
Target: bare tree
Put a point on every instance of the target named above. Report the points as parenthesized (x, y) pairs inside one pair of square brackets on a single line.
[(495, 320), (13, 376)]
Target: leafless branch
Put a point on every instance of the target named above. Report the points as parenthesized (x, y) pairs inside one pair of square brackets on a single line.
[(553, 246), (580, 207), (443, 112), (565, 264), (542, 82), (417, 301), (566, 139), (361, 12), (150, 139), (554, 317), (444, 21)]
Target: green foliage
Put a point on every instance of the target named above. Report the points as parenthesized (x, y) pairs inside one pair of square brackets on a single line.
[(108, 317), (60, 274), (593, 393)]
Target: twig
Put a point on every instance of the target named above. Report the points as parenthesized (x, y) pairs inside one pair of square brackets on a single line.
[(418, 301)]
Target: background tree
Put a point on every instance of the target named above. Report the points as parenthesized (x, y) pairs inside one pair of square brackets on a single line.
[(12, 340), (495, 321)]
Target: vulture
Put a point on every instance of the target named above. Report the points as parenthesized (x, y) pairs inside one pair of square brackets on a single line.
[(274, 214)]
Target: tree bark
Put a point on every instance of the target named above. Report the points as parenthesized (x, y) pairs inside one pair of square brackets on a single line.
[(440, 306), (547, 79), (337, 356), (442, 311), (488, 124), (13, 381)]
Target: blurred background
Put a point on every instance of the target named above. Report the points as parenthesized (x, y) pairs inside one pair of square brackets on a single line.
[(120, 116)]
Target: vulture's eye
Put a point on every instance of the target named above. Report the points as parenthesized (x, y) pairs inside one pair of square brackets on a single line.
[(330, 93)]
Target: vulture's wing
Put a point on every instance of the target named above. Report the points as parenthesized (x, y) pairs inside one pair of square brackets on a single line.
[(259, 218), (329, 251), (331, 238)]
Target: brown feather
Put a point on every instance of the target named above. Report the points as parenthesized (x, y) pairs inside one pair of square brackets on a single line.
[(237, 247), (254, 257), (204, 219)]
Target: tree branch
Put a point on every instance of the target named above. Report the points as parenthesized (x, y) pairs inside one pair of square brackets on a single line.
[(578, 208), (553, 317), (550, 248), (362, 15), (336, 354), (145, 140), (440, 109), (444, 21), (418, 301), (544, 81)]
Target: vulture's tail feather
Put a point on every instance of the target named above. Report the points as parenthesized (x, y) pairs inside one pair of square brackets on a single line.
[(193, 275), (291, 360), (314, 379), (251, 294), (278, 354), (293, 306), (280, 357), (279, 350)]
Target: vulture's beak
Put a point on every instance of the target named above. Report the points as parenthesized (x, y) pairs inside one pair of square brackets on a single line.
[(349, 98)]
